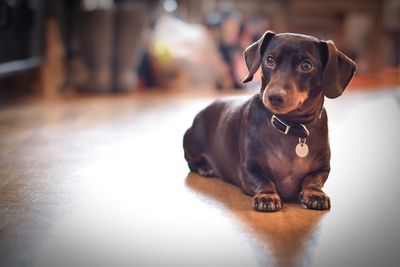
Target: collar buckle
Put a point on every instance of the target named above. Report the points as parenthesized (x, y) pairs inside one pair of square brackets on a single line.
[(305, 129), (287, 127), (284, 128)]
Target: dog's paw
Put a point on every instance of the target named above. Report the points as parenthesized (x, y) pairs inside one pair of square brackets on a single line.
[(267, 202), (316, 200), (206, 172)]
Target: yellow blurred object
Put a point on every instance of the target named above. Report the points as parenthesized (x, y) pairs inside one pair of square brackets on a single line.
[(161, 53)]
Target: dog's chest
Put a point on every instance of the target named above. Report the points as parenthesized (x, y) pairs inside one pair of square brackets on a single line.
[(287, 170)]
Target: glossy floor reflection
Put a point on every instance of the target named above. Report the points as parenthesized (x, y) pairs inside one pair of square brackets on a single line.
[(285, 238), (101, 181)]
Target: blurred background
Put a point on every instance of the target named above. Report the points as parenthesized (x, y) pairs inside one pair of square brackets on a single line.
[(51, 48)]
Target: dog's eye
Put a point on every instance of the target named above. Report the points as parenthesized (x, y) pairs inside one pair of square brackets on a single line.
[(306, 66), (270, 61)]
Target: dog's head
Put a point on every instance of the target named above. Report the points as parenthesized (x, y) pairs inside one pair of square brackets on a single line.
[(297, 68)]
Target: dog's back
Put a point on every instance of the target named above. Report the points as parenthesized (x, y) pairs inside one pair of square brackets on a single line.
[(211, 147)]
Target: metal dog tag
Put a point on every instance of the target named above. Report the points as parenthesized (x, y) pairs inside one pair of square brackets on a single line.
[(302, 148)]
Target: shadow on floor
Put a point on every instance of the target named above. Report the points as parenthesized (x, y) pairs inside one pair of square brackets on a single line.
[(289, 235)]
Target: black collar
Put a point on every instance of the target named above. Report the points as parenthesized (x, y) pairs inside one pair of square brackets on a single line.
[(297, 129)]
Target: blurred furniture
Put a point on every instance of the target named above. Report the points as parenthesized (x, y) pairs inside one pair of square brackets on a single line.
[(102, 41), (21, 35)]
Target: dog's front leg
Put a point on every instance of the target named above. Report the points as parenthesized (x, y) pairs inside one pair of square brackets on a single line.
[(312, 195), (265, 196)]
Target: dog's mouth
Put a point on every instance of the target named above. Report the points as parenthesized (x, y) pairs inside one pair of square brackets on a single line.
[(283, 104), (282, 109)]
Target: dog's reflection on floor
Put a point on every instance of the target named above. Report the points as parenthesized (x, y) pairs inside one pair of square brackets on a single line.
[(288, 235)]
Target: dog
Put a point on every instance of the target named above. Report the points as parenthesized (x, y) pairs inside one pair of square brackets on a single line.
[(274, 146)]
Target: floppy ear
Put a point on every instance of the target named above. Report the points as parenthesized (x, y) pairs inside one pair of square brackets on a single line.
[(253, 54), (338, 70)]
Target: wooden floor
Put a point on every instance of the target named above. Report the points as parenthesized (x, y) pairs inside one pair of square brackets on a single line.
[(101, 181)]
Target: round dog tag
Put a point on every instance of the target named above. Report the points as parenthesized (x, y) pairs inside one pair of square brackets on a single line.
[(302, 150)]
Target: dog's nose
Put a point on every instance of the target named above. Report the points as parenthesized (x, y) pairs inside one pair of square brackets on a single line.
[(276, 99)]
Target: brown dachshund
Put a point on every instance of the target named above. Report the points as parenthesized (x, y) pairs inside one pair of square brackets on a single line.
[(275, 144)]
